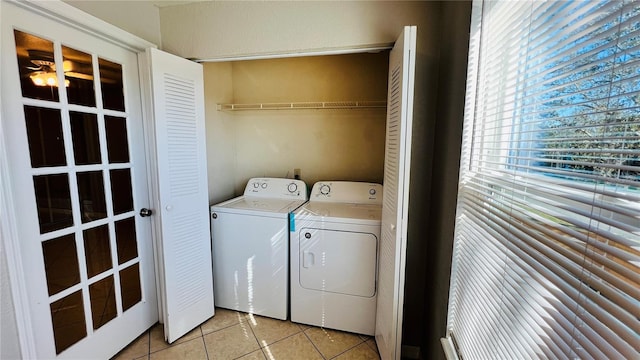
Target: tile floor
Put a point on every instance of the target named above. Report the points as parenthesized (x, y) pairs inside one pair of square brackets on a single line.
[(236, 335)]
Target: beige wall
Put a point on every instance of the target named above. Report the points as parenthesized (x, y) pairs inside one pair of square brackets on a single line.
[(323, 144), (141, 18), (312, 78), (220, 29), (221, 132), (333, 145)]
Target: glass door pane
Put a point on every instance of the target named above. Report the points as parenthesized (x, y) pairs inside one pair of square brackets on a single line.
[(37, 67), (53, 201), (78, 77), (44, 131)]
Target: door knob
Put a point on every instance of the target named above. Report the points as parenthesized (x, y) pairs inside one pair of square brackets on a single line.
[(145, 212)]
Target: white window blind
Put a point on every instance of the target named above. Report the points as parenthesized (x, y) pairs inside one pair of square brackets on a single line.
[(546, 257)]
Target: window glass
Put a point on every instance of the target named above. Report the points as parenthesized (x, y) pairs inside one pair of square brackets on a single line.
[(547, 237)]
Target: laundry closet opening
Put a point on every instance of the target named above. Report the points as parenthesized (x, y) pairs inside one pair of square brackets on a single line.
[(324, 144)]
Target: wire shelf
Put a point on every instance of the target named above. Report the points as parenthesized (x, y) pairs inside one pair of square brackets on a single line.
[(305, 105)]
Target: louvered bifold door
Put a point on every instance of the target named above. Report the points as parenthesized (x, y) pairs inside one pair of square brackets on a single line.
[(184, 245), (393, 233)]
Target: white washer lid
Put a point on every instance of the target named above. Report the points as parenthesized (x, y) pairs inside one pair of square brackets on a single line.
[(340, 212), (257, 205)]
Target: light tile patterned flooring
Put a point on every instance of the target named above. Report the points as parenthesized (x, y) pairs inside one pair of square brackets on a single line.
[(235, 335)]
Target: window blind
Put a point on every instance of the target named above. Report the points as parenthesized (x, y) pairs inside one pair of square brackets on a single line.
[(546, 259)]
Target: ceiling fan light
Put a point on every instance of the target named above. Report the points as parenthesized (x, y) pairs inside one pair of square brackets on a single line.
[(38, 81), (46, 79)]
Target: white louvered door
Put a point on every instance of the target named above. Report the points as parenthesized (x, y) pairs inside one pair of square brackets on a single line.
[(393, 242), (184, 246)]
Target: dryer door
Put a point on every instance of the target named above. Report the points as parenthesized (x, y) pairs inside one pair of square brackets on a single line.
[(340, 262)]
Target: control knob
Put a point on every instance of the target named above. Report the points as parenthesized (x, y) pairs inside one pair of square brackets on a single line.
[(292, 187), (325, 189)]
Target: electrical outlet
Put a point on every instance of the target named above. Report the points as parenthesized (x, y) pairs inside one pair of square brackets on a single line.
[(296, 173)]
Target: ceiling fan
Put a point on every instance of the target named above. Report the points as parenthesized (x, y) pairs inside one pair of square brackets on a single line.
[(43, 71)]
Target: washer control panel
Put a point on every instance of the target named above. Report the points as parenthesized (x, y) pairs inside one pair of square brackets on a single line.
[(347, 192), (276, 188), (325, 189)]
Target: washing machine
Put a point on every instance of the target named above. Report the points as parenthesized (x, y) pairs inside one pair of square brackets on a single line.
[(334, 256), (250, 245)]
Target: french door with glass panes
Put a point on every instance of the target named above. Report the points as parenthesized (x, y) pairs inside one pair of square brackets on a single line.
[(73, 130)]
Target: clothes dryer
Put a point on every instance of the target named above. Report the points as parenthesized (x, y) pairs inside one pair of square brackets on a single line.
[(250, 245), (334, 257)]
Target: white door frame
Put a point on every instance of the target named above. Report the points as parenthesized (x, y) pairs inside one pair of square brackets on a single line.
[(70, 16)]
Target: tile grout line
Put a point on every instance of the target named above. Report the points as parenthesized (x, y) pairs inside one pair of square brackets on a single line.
[(254, 336), (205, 344), (175, 343), (206, 352), (279, 340), (260, 347), (371, 347), (351, 348), (222, 328), (149, 342), (312, 343)]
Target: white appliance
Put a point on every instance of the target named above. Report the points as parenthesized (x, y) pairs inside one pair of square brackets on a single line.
[(334, 256), (250, 244)]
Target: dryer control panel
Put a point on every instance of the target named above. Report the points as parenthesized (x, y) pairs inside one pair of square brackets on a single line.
[(347, 192), (276, 188)]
